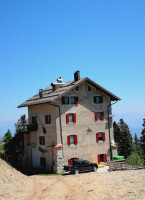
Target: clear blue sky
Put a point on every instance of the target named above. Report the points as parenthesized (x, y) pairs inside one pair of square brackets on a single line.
[(41, 40)]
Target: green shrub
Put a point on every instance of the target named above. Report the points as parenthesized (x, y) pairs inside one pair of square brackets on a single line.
[(134, 159)]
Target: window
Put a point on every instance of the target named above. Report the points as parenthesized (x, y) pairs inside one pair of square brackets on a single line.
[(100, 136), (73, 99), (65, 100), (77, 88), (98, 99), (42, 162), (41, 140), (102, 158), (71, 117), (34, 120), (89, 88), (99, 116), (47, 119), (72, 139)]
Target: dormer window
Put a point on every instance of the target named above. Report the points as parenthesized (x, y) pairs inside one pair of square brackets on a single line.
[(77, 88), (70, 100), (98, 99), (73, 100), (89, 88), (65, 100)]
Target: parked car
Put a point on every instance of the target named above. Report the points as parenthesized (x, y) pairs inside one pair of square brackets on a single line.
[(81, 166)]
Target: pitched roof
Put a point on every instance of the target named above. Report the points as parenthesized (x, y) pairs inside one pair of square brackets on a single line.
[(50, 96)]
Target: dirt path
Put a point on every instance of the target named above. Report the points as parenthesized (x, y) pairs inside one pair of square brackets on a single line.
[(52, 187), (126, 185), (121, 185)]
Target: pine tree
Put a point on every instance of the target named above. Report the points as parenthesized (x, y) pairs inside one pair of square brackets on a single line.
[(116, 132), (7, 137), (1, 145), (136, 140), (142, 139), (123, 138), (21, 124), (137, 147)]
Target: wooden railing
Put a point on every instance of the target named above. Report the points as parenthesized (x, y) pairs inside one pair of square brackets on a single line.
[(117, 165), (122, 165)]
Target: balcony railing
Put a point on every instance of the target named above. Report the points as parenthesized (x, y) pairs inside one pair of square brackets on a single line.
[(32, 127)]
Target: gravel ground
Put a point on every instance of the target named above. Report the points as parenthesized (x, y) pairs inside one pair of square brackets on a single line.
[(13, 184), (124, 185)]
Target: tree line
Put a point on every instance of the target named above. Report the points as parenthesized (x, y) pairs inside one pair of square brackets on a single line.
[(20, 126), (133, 149)]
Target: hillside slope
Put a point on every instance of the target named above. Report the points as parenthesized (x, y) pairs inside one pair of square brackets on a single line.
[(13, 183)]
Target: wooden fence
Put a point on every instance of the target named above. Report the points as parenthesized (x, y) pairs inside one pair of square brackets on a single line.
[(122, 165)]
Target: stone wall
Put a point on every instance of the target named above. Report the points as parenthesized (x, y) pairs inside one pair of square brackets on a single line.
[(114, 152)]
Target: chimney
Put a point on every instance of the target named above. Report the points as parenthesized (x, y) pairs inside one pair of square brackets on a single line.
[(57, 85), (41, 93), (59, 80), (53, 86), (77, 76)]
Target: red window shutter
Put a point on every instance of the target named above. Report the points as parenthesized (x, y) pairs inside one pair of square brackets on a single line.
[(68, 140), (98, 159), (67, 118), (74, 117), (102, 116), (104, 136), (69, 161), (77, 100), (97, 137), (96, 116), (76, 139), (105, 157)]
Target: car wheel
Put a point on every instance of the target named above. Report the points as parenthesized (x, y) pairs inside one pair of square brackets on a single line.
[(94, 169), (76, 171)]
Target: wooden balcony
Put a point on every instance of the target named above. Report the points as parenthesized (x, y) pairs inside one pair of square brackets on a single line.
[(32, 127)]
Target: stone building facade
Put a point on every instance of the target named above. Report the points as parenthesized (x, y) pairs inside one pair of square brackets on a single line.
[(71, 120)]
